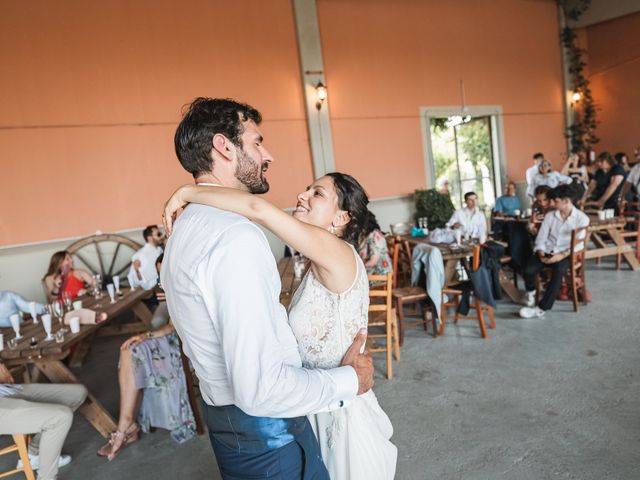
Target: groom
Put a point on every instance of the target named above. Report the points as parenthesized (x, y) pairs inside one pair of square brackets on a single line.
[(223, 290)]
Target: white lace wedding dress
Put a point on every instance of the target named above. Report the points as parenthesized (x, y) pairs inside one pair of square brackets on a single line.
[(354, 440)]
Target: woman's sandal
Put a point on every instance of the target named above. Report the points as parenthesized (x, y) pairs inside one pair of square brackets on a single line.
[(118, 440)]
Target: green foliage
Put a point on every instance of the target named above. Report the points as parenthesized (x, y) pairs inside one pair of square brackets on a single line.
[(433, 205), (582, 131)]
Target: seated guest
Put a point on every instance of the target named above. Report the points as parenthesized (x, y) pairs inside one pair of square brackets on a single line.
[(373, 248), (604, 190), (532, 172), (62, 277), (631, 188), (546, 176), (622, 160), (43, 409), (161, 313), (470, 219), (552, 249), (12, 303), (508, 203), (575, 168), (152, 388), (143, 263), (542, 204)]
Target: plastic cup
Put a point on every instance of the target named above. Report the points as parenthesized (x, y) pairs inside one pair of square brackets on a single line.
[(112, 292), (116, 283), (74, 323), (46, 323), (77, 305), (602, 215), (32, 310), (1, 342), (516, 212)]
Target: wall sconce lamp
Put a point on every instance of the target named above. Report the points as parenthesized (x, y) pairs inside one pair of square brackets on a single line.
[(576, 97), (321, 94)]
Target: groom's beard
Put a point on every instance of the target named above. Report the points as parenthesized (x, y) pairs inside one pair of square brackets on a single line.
[(249, 174)]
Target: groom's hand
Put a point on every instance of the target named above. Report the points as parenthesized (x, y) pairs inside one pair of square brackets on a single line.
[(361, 362)]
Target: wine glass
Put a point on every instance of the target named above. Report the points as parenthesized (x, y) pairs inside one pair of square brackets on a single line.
[(46, 323), (58, 311), (66, 298)]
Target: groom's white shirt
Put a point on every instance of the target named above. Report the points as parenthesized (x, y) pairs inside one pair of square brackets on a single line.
[(223, 291)]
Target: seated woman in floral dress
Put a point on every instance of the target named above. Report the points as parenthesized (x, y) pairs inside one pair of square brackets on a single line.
[(373, 248), (151, 367)]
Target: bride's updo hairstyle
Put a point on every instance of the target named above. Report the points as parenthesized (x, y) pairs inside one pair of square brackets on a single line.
[(353, 199)]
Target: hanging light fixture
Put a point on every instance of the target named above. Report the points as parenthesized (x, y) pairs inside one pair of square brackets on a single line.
[(321, 94)]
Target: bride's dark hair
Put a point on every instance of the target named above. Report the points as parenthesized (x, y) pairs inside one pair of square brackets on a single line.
[(352, 198)]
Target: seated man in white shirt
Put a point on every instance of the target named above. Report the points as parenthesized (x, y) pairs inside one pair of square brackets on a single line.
[(552, 249), (143, 271), (470, 219), (532, 171)]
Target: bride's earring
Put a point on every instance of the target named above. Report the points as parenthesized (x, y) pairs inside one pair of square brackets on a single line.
[(332, 229)]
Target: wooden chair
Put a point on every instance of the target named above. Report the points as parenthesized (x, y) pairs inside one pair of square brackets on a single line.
[(574, 278), (21, 446), (631, 214), (400, 253), (382, 314), (476, 304)]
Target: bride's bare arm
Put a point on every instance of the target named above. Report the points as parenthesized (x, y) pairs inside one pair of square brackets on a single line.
[(332, 258)]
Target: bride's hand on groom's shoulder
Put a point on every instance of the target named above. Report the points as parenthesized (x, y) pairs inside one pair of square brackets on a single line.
[(362, 363), (173, 208)]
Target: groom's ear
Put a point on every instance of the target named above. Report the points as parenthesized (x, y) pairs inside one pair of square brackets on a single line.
[(223, 146)]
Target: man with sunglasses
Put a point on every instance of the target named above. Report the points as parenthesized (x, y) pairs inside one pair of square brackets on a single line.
[(143, 271)]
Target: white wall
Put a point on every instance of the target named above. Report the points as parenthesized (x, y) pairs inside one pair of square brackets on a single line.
[(22, 266)]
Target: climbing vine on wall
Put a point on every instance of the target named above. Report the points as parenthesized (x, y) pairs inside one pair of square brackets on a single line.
[(582, 132)]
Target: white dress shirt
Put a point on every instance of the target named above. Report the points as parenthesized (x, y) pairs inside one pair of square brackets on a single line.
[(554, 235), (223, 294), (147, 255), (634, 176), (473, 224), (531, 172), (551, 179)]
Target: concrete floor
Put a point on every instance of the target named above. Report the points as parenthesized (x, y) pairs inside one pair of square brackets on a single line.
[(557, 397)]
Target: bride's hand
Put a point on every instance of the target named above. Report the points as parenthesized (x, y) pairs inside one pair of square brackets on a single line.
[(173, 206)]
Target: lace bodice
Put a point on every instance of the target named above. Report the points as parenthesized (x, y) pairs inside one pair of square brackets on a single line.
[(325, 323)]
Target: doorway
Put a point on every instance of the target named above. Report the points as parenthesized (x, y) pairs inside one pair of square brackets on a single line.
[(464, 152)]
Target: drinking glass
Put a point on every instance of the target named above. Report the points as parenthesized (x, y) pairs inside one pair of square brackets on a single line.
[(112, 292), (15, 323), (34, 313), (58, 311), (59, 336), (46, 323), (13, 343), (67, 301)]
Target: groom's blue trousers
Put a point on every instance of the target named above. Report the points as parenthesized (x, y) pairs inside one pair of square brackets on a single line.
[(248, 447)]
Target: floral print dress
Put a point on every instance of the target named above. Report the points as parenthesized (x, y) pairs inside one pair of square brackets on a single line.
[(159, 373), (376, 244)]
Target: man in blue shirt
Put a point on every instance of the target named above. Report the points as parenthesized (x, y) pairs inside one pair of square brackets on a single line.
[(11, 303), (508, 203)]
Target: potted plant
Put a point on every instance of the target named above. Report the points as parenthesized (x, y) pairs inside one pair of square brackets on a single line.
[(434, 205)]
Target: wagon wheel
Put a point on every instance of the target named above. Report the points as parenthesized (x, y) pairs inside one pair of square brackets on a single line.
[(108, 254)]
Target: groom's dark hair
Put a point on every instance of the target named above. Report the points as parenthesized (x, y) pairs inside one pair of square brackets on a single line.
[(205, 117)]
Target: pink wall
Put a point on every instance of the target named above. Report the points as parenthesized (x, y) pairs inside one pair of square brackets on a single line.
[(384, 60), (92, 92), (614, 66)]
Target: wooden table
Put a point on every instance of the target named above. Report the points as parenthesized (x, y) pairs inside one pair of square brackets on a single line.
[(47, 356), (613, 245), (452, 255), (288, 280)]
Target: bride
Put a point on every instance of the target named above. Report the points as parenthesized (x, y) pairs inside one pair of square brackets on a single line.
[(327, 310)]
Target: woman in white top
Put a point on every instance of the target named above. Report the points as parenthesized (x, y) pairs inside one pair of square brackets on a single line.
[(327, 310), (546, 176)]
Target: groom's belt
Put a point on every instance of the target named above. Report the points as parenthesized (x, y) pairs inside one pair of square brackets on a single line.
[(237, 430)]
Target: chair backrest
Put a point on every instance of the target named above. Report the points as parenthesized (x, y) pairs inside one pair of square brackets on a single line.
[(579, 239), (631, 215), (400, 253), (380, 297)]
